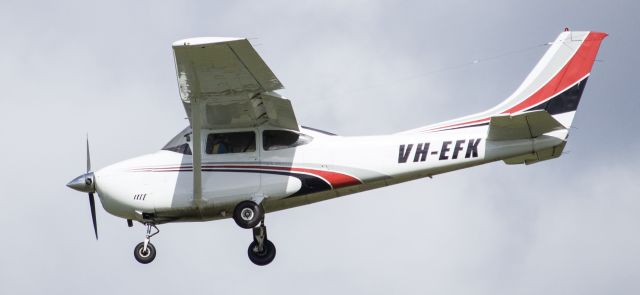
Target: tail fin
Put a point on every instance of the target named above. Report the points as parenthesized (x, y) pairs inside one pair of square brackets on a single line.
[(555, 84)]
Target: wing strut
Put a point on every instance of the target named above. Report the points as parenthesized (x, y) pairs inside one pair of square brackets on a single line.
[(196, 122)]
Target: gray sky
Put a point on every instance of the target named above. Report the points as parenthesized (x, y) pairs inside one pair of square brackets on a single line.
[(567, 226)]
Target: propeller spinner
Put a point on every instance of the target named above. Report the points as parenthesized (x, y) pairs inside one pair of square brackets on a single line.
[(86, 183)]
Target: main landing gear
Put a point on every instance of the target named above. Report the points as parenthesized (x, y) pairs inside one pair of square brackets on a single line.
[(261, 251), (248, 214), (145, 252)]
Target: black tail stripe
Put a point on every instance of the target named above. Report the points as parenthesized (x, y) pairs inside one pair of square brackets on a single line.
[(567, 101)]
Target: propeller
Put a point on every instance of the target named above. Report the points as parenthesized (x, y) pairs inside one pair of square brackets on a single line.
[(92, 205), (85, 183)]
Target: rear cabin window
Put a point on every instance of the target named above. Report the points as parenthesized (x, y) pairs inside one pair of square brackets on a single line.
[(233, 142), (282, 139)]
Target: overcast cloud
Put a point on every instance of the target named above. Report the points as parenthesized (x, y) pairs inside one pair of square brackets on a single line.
[(568, 226)]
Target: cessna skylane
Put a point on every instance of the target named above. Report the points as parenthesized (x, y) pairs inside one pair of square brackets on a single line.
[(244, 154)]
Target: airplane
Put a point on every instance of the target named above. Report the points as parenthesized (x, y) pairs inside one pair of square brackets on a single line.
[(244, 154)]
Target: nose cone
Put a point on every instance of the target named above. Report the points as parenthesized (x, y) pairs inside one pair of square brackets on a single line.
[(83, 183)]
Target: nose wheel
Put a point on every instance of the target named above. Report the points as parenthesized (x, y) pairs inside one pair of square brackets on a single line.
[(145, 252), (143, 255)]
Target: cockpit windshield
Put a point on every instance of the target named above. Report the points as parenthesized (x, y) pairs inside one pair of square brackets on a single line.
[(180, 142)]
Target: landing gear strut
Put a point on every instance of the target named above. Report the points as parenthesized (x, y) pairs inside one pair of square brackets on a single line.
[(261, 251), (145, 252)]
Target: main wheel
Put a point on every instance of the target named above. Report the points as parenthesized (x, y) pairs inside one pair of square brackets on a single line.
[(142, 256), (264, 257), (248, 214)]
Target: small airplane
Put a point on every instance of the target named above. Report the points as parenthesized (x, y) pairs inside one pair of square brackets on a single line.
[(244, 154)]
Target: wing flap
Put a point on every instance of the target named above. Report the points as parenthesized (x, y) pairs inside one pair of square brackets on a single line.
[(279, 112), (522, 126)]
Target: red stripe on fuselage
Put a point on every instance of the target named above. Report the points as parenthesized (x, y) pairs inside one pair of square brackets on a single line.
[(335, 179)]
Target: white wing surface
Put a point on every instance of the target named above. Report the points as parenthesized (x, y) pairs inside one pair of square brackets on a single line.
[(230, 84)]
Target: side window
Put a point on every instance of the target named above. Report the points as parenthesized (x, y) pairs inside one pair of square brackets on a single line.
[(282, 139), (233, 142)]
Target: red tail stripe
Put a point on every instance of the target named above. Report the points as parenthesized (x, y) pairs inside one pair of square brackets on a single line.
[(576, 68)]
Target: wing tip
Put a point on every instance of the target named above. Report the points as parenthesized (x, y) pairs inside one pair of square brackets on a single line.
[(198, 41)]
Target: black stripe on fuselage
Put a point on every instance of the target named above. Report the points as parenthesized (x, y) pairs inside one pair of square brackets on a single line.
[(309, 183), (567, 101)]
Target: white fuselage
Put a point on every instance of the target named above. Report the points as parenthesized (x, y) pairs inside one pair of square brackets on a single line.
[(244, 153), (160, 185)]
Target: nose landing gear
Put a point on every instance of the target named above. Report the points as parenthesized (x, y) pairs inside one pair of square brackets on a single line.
[(145, 252)]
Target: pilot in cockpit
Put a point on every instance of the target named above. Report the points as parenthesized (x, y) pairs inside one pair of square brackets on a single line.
[(220, 145)]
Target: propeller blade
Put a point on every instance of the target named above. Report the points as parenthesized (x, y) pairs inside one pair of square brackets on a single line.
[(88, 156), (92, 204)]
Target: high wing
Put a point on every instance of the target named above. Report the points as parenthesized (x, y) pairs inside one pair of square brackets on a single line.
[(227, 81), (225, 84)]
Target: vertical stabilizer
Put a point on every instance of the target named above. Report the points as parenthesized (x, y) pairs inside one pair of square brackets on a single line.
[(555, 84)]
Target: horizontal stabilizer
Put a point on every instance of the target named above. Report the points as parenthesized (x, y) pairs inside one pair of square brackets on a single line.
[(543, 155), (522, 126)]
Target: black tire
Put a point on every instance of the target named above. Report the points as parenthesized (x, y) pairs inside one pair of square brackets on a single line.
[(248, 214), (262, 258), (143, 257)]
